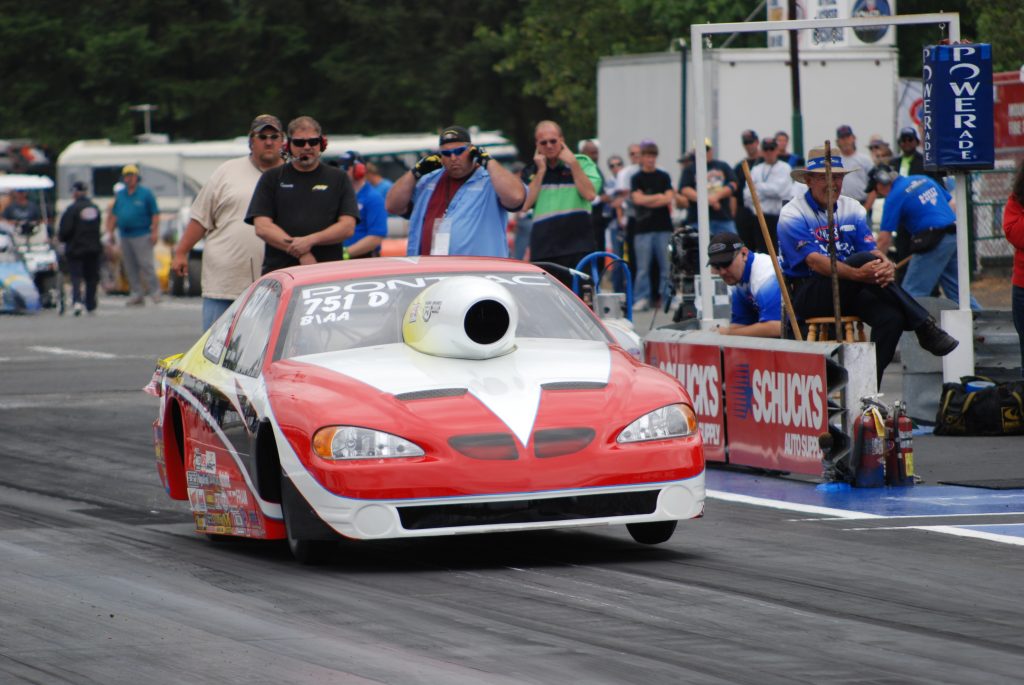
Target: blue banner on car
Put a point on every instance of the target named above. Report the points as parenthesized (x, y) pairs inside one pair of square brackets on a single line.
[(957, 115)]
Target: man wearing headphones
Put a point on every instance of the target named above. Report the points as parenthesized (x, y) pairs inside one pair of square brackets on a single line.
[(303, 210), (457, 200), (373, 220), (232, 254)]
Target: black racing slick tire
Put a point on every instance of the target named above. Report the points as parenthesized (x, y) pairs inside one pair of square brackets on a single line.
[(305, 551), (652, 533)]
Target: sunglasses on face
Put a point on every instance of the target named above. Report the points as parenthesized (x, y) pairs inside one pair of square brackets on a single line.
[(553, 141), (269, 136), (303, 142), (615, 165), (454, 152)]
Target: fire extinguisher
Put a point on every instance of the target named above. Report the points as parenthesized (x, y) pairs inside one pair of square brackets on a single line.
[(899, 460), (870, 447)]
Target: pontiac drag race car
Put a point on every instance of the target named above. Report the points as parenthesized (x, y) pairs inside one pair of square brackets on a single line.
[(390, 398)]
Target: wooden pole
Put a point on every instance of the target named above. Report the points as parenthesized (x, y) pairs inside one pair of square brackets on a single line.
[(771, 253), (832, 241)]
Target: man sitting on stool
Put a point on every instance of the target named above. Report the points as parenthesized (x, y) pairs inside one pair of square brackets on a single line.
[(756, 297), (866, 285)]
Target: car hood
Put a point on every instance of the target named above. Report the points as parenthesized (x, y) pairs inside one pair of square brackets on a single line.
[(509, 386)]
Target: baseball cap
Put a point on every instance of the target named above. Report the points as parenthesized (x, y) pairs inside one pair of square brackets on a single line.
[(349, 158), (454, 134), (908, 132), (649, 148), (723, 248), (749, 136), (264, 120), (80, 187), (844, 131), (884, 174), (129, 169)]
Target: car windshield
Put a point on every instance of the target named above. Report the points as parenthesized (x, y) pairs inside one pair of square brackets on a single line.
[(343, 315)]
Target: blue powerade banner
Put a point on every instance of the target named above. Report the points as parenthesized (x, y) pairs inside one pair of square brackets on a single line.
[(957, 115)]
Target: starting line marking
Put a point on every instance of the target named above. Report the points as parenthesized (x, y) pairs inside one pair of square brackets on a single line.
[(66, 352)]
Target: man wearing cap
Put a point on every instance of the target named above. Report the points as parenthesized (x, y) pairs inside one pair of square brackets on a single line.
[(373, 220), (80, 230), (232, 253), (866, 278), (774, 186), (721, 187), (457, 200), (135, 215), (303, 210), (920, 206), (756, 297), (746, 218), (855, 183), (561, 187)]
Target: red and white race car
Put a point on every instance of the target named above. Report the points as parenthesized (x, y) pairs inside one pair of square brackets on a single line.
[(389, 398)]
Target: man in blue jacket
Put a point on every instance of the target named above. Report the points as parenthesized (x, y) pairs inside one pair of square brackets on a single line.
[(457, 200), (921, 206)]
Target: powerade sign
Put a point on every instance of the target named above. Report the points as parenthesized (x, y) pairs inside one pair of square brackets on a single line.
[(957, 114)]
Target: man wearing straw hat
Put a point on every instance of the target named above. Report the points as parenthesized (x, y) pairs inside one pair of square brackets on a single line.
[(866, 278)]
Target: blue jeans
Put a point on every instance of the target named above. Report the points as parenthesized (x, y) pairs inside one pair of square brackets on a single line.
[(936, 266), (212, 309), (648, 246), (721, 225), (1018, 321)]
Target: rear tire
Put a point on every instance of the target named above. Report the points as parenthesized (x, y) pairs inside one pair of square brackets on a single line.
[(308, 552), (653, 533)]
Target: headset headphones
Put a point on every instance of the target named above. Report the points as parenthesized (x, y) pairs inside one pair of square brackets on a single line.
[(353, 160)]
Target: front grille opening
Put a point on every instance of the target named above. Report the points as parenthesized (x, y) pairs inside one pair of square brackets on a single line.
[(529, 510), (486, 446), (556, 442)]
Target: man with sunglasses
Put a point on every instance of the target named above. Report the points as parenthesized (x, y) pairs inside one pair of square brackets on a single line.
[(756, 297), (232, 254), (561, 187), (303, 210), (457, 200)]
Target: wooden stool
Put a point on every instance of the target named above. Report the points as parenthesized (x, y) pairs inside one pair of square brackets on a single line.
[(820, 328)]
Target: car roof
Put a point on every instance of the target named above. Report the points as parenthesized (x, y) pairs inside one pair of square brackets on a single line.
[(398, 266)]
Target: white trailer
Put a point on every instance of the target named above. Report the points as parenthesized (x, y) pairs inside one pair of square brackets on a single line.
[(641, 97)]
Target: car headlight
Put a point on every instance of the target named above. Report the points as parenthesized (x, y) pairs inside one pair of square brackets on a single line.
[(352, 442), (673, 421)]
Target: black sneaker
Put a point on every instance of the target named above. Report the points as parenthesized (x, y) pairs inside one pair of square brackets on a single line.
[(934, 339)]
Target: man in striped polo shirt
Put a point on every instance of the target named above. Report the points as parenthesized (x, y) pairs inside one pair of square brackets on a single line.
[(561, 187)]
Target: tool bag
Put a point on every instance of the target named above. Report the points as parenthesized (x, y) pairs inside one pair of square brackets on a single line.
[(994, 410)]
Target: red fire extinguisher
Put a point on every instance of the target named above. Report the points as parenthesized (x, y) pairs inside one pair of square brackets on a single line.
[(899, 460), (870, 448)]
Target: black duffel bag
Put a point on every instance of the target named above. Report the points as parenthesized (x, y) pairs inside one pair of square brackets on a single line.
[(994, 410), (926, 241)]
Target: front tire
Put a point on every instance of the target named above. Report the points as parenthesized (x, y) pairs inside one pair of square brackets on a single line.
[(308, 552), (653, 533)]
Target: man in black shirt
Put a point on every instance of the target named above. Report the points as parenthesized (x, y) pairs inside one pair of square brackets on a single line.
[(80, 233), (303, 210), (652, 196)]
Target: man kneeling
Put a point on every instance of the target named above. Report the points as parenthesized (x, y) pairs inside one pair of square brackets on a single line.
[(756, 297)]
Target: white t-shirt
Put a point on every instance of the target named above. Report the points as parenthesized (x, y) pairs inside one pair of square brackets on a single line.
[(232, 255)]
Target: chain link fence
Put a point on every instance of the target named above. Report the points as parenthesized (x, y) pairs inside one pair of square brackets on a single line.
[(988, 191)]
